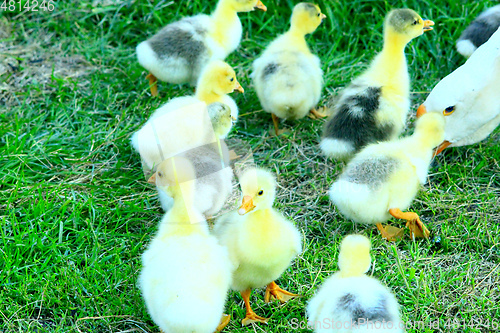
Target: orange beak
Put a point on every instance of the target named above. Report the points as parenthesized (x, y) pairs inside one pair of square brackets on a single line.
[(239, 87), (421, 111), (441, 147), (428, 25), (246, 205), (152, 179), (260, 6)]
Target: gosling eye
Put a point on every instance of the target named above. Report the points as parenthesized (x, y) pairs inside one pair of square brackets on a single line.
[(231, 79), (415, 22), (319, 14), (449, 110), (260, 192), (159, 174)]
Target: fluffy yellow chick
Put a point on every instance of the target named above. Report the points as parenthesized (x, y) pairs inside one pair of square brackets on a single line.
[(350, 301), (288, 77), (180, 131), (179, 52), (375, 105), (260, 240), (186, 274), (181, 124), (384, 178)]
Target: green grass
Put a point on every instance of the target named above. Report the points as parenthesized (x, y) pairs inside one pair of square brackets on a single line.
[(76, 213)]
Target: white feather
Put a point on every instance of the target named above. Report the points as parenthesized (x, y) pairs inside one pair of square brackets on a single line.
[(178, 126), (360, 203), (324, 314), (466, 48), (336, 148)]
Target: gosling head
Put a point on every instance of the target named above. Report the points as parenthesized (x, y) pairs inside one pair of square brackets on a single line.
[(306, 17), (244, 5), (220, 78), (430, 128), (407, 24), (467, 97), (455, 109), (259, 190), (171, 173), (220, 116)]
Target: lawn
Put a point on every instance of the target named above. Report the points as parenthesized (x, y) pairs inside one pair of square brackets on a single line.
[(76, 213)]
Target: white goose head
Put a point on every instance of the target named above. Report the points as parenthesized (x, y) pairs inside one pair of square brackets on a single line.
[(469, 97)]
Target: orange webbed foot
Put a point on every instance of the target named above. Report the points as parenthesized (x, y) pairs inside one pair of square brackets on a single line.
[(318, 114), (390, 233), (253, 318), (274, 291), (250, 317), (416, 227)]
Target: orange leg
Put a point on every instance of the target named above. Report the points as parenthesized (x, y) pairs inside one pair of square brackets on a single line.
[(223, 322), (251, 317), (152, 84), (417, 228), (276, 122), (273, 290)]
